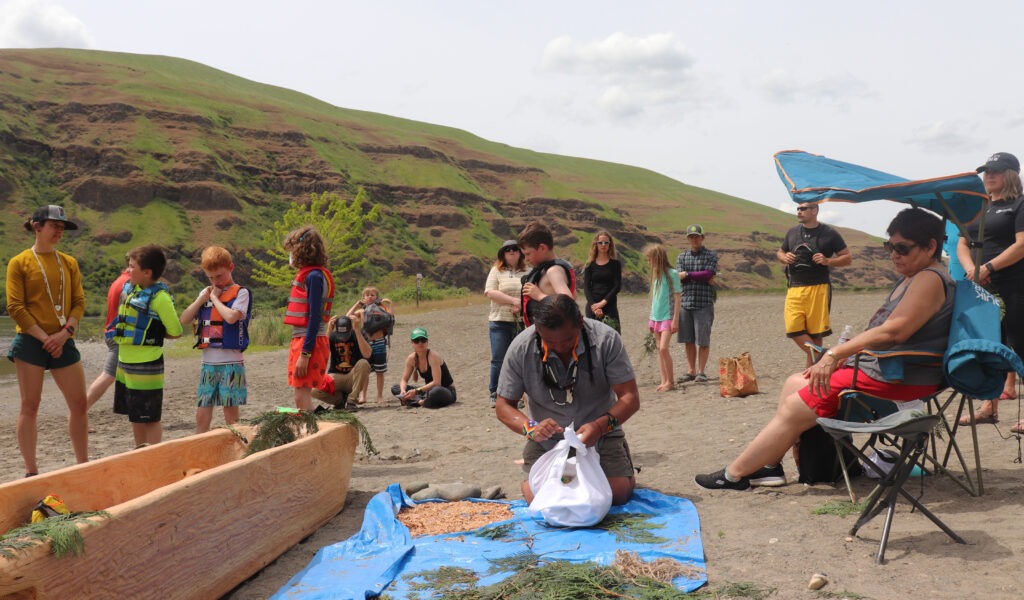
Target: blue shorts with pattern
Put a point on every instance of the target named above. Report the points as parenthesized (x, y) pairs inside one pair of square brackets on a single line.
[(222, 385)]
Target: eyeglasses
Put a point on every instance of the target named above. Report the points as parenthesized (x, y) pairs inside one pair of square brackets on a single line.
[(900, 248), (512, 249), (803, 208), (603, 243), (420, 341)]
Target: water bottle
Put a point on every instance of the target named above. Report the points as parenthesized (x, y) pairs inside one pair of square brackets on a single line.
[(846, 334)]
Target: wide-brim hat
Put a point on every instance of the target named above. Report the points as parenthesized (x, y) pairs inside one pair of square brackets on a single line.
[(52, 212)]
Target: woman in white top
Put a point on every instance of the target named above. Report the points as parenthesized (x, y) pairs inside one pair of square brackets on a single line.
[(504, 288)]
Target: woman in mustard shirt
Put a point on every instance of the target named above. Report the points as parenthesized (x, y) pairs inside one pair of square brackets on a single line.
[(46, 300)]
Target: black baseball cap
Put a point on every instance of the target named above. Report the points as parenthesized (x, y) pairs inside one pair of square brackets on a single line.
[(999, 162), (52, 212), (343, 326)]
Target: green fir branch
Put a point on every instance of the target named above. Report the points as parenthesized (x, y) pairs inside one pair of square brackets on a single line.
[(60, 531)]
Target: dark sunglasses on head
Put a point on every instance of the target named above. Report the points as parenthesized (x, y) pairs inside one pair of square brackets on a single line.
[(603, 243), (803, 208), (900, 248)]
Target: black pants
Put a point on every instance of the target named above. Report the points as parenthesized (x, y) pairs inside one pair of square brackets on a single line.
[(435, 397)]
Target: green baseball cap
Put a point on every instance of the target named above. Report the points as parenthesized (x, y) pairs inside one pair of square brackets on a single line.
[(419, 332)]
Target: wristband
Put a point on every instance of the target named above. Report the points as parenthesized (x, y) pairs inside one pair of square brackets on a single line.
[(529, 428), (991, 269), (613, 423), (71, 330), (306, 354)]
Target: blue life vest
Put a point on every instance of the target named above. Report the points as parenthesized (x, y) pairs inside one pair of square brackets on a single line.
[(136, 323), (214, 332)]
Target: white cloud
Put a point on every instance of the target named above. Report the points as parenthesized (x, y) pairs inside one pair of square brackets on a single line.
[(782, 87), (956, 136), (41, 24), (630, 75)]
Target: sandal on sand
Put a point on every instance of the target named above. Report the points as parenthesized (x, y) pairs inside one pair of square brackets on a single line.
[(982, 416), (1018, 428), (31, 474), (1007, 396)]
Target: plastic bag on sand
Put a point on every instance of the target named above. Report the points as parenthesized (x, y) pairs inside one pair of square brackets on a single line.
[(570, 491)]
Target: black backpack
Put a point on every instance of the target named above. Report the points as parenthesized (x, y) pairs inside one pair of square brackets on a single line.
[(817, 460), (377, 318)]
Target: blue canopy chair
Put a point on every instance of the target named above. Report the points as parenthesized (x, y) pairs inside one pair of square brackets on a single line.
[(975, 361)]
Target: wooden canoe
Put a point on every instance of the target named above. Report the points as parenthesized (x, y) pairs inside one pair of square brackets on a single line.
[(189, 518)]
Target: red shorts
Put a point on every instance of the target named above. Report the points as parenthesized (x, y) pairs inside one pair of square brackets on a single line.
[(316, 367), (842, 379)]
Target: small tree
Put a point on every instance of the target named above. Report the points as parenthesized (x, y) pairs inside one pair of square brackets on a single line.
[(342, 224)]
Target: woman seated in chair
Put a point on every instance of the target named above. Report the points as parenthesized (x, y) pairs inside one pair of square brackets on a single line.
[(914, 317)]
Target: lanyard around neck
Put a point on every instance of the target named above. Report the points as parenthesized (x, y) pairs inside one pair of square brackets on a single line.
[(58, 307)]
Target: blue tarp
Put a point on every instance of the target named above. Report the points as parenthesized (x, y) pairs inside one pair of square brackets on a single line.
[(382, 552), (814, 178), (976, 363)]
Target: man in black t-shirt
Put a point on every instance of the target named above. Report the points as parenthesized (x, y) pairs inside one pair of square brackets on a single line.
[(349, 369), (809, 250)]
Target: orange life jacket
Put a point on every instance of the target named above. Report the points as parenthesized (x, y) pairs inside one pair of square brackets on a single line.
[(214, 332), (297, 312)]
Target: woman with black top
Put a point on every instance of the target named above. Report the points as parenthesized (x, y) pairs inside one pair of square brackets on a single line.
[(438, 387), (1002, 270), (602, 279)]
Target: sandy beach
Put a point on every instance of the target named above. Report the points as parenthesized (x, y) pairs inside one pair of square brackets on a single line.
[(768, 537)]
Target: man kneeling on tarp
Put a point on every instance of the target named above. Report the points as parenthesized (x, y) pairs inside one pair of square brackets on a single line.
[(575, 371)]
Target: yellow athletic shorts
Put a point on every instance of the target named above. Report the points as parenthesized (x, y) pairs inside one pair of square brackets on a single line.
[(807, 309)]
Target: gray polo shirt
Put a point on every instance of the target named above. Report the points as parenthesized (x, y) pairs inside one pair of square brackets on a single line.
[(522, 372)]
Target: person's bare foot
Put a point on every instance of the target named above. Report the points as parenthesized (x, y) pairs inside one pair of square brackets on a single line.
[(665, 387)]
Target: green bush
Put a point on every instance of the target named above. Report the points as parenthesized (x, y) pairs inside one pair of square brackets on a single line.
[(268, 329)]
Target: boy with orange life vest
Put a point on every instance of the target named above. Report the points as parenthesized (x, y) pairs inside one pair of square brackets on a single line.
[(308, 311), (221, 315), (145, 318)]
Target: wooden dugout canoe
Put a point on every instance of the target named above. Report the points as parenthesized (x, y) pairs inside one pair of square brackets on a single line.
[(189, 518)]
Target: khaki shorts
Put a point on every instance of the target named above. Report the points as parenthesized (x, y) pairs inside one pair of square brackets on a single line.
[(807, 309), (615, 458)]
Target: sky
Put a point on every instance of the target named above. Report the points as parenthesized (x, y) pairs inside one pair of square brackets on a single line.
[(702, 92)]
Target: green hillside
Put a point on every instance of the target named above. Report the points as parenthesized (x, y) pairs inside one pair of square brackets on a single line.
[(145, 149)]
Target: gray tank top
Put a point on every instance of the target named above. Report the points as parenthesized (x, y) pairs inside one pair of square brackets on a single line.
[(933, 336)]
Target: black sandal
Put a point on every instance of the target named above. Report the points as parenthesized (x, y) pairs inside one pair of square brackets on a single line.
[(27, 475)]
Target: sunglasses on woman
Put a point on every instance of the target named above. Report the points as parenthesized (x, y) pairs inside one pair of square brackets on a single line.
[(899, 247), (512, 249), (603, 243)]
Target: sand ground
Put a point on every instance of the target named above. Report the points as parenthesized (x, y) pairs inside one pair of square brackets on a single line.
[(768, 536)]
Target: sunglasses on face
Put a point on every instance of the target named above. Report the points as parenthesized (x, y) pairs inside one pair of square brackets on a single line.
[(512, 249), (900, 248), (420, 341), (603, 243)]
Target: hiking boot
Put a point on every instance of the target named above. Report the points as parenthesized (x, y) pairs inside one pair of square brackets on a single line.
[(700, 378), (717, 481), (768, 477)]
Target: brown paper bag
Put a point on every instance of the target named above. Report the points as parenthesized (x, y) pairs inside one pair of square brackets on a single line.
[(736, 376)]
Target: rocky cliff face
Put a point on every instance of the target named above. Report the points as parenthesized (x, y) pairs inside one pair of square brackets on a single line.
[(71, 132)]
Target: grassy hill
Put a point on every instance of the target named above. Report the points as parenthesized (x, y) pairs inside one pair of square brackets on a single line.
[(145, 149)]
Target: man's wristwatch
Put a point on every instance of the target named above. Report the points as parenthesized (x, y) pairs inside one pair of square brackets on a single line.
[(990, 268), (71, 330)]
